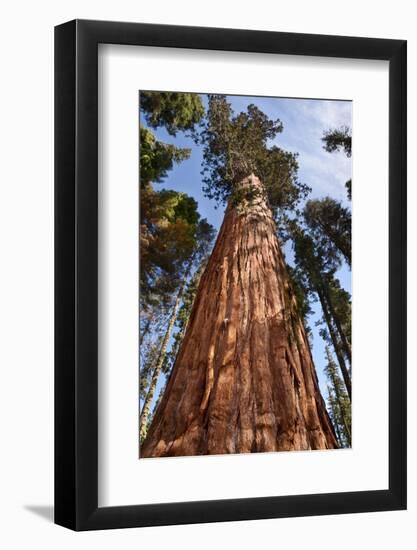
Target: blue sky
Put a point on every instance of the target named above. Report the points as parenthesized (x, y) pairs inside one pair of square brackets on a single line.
[(304, 121)]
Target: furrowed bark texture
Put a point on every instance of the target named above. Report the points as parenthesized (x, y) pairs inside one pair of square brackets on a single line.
[(243, 380)]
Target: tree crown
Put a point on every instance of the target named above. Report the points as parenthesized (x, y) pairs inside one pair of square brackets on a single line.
[(330, 225), (236, 146), (157, 158), (173, 110), (338, 139)]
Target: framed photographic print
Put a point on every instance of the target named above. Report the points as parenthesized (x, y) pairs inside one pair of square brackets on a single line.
[(230, 275)]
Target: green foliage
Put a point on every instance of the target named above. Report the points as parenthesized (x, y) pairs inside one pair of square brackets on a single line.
[(278, 171), (341, 300), (169, 227), (301, 293), (169, 220), (175, 242), (312, 259), (338, 399), (348, 186), (173, 110), (149, 355), (236, 146), (205, 234), (315, 270), (330, 225), (338, 139), (157, 158)]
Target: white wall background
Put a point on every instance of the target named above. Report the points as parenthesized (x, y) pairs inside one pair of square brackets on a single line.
[(26, 285)]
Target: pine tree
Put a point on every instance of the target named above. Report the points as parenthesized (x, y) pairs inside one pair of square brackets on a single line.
[(333, 413), (157, 158), (339, 402), (149, 352), (340, 140), (317, 269), (175, 111), (330, 224), (157, 366), (167, 225)]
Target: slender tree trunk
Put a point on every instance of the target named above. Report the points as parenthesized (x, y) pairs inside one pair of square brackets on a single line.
[(243, 380), (159, 363), (342, 413), (145, 330), (334, 413), (328, 319), (340, 404), (344, 249), (346, 345), (341, 244)]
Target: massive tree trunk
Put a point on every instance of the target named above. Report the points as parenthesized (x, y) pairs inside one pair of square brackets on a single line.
[(244, 379)]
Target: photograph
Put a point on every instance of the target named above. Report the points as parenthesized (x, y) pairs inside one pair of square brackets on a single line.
[(208, 223), (245, 274)]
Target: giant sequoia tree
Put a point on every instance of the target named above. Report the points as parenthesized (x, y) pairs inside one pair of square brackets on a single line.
[(243, 379)]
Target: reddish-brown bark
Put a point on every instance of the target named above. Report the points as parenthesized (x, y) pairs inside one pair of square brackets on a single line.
[(244, 379)]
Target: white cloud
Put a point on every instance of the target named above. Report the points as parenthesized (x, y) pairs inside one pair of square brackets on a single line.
[(305, 121)]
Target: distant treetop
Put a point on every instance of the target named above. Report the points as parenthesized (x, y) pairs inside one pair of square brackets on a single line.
[(174, 111), (157, 158), (338, 139)]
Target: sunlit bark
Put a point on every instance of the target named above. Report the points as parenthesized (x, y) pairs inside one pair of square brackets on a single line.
[(244, 379)]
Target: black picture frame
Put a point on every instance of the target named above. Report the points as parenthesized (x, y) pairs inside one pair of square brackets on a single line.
[(76, 272)]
